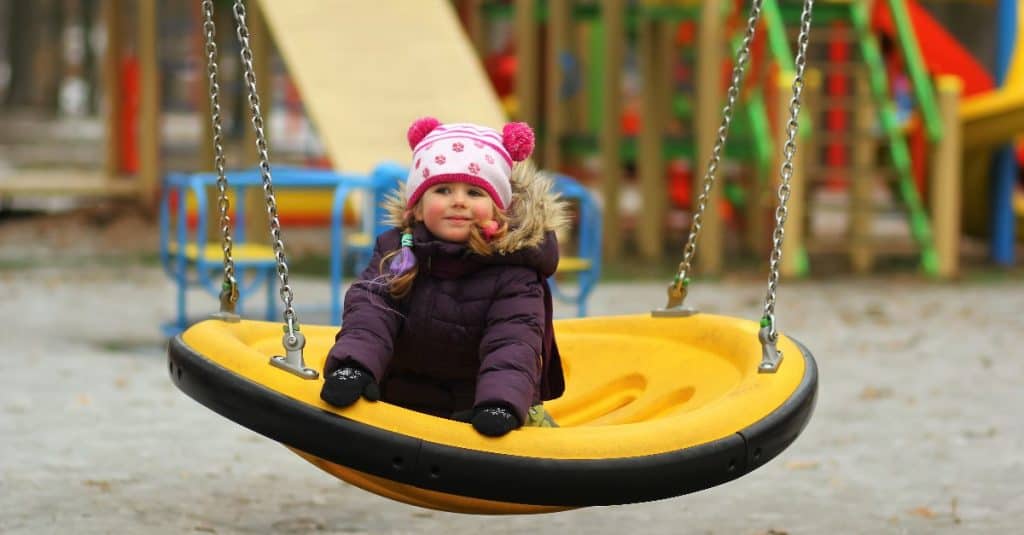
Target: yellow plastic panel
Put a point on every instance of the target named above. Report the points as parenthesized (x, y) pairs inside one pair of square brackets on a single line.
[(572, 264), (241, 252), (636, 385)]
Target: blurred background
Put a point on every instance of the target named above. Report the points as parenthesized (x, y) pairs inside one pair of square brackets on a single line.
[(908, 157)]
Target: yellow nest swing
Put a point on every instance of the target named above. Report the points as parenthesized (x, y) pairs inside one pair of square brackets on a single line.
[(699, 399)]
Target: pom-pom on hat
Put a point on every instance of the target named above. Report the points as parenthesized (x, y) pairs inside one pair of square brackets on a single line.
[(463, 152)]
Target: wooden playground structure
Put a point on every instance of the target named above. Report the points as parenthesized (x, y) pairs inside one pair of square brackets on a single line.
[(109, 181), (562, 26), (599, 36)]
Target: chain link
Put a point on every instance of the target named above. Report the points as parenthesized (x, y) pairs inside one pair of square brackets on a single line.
[(286, 294), (677, 291), (229, 293), (788, 152)]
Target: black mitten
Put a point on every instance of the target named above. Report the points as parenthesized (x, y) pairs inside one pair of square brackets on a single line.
[(344, 385), (494, 420)]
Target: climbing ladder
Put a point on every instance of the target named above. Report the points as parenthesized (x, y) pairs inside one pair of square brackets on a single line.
[(877, 123)]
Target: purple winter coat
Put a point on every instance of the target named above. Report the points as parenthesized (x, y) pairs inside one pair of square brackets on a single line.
[(473, 329)]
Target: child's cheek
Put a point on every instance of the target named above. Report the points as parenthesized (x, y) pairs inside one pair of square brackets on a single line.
[(433, 211), (483, 213)]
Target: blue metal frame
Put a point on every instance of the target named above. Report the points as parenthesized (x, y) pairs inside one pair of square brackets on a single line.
[(387, 176), (590, 238), (261, 272), (1004, 165), (384, 178)]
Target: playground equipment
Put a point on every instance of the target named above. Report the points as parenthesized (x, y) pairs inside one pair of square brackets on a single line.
[(989, 116), (190, 259), (658, 126), (859, 90), (630, 431), (112, 180), (585, 264)]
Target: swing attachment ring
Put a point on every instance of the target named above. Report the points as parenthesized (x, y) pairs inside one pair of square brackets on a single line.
[(293, 362)]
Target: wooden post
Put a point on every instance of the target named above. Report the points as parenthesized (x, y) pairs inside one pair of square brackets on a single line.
[(580, 34), (526, 61), (472, 12), (554, 109), (112, 85), (149, 104), (945, 187), (651, 161), (259, 38), (707, 117), (613, 15), (794, 260), (861, 180)]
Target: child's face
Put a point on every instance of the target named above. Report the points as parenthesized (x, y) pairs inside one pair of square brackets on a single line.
[(451, 209)]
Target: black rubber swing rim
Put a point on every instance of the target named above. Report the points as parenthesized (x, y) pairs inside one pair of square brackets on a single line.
[(485, 475)]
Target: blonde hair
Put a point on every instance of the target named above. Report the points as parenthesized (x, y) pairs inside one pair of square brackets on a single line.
[(400, 284)]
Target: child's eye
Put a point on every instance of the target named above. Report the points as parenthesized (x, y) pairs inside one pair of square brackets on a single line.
[(476, 193), (443, 190)]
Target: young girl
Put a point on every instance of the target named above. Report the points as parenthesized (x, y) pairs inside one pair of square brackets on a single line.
[(452, 317)]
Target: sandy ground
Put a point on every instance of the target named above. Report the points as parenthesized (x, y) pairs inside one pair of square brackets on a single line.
[(917, 427)]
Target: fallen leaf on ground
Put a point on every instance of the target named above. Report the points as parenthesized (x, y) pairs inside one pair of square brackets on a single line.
[(986, 433), (872, 393), (802, 465), (923, 512), (876, 312), (97, 483)]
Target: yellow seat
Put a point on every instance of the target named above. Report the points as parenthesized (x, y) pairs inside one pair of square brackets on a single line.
[(359, 239), (241, 252), (653, 408), (573, 264), (249, 252)]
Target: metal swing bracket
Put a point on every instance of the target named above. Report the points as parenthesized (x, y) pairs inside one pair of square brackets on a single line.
[(674, 308), (771, 356), (293, 362), (674, 312), (228, 298)]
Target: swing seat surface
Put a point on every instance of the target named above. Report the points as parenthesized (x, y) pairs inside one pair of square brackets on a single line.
[(653, 408)]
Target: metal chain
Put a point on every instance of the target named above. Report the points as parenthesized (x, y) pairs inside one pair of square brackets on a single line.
[(287, 296), (788, 151), (229, 288), (677, 290)]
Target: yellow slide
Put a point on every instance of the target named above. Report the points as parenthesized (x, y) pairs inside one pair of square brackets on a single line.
[(367, 70), (993, 119), (990, 120)]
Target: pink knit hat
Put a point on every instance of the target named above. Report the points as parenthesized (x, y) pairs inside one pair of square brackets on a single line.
[(463, 152)]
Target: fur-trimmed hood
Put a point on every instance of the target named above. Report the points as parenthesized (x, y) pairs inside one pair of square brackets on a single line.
[(535, 211)]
